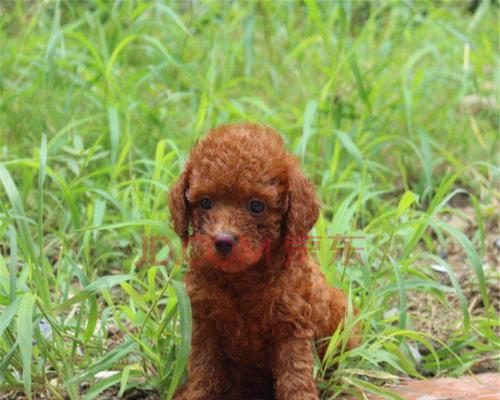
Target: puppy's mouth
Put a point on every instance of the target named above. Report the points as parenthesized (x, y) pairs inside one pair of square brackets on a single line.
[(224, 254)]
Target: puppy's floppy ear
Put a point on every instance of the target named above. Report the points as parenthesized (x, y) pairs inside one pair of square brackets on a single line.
[(303, 205), (179, 207)]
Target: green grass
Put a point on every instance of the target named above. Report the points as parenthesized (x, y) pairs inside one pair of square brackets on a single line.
[(100, 103)]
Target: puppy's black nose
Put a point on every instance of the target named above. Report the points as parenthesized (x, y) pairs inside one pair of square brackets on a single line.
[(224, 243)]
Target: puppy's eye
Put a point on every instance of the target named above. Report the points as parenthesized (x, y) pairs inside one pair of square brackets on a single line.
[(256, 207), (206, 203)]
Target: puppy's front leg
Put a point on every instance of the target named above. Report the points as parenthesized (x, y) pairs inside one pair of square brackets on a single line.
[(206, 376), (292, 369)]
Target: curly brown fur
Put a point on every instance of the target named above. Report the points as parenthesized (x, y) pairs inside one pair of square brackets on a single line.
[(257, 309)]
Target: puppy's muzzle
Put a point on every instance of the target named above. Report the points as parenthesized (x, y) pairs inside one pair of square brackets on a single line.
[(224, 243)]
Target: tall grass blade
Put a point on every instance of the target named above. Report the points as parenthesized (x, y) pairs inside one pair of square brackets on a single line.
[(25, 337), (186, 328)]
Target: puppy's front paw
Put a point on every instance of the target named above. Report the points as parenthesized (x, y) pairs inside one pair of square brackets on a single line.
[(299, 396), (188, 392), (186, 395), (180, 393)]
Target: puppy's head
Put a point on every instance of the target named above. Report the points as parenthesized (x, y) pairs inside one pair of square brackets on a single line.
[(240, 196)]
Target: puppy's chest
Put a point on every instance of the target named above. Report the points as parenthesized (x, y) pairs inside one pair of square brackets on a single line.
[(245, 328)]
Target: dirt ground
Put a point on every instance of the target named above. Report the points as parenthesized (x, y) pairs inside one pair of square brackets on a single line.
[(429, 314)]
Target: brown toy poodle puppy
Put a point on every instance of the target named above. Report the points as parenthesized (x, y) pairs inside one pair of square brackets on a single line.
[(259, 300)]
